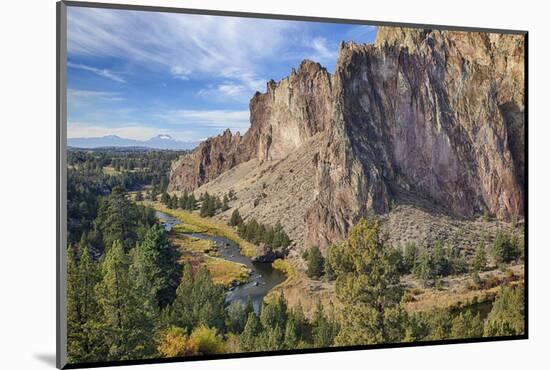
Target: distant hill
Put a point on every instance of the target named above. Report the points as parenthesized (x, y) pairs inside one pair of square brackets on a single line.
[(164, 142)]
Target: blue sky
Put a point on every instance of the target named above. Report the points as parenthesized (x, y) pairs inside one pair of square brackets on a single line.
[(139, 74)]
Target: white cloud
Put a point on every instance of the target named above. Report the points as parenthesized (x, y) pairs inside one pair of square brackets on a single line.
[(100, 72), (93, 94), (321, 51), (362, 33), (235, 120), (183, 45)]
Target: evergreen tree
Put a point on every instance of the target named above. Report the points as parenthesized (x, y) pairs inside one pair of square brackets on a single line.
[(409, 257), (323, 331), (154, 194), (275, 313), (236, 218), (173, 202), (367, 284), (236, 317), (198, 301), (183, 200), (117, 219), (466, 325), (507, 316), (91, 344), (146, 279), (315, 263), (114, 298), (163, 184), (440, 262), (291, 338), (423, 266), (271, 339), (503, 250), (80, 308), (191, 203), (252, 329), (181, 311), (206, 205), (480, 258), (440, 325), (165, 199), (167, 262)]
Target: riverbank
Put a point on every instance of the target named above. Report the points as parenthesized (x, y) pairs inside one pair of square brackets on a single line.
[(193, 223), (196, 251), (215, 246)]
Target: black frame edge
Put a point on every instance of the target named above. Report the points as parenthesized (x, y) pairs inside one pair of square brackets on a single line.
[(292, 352)]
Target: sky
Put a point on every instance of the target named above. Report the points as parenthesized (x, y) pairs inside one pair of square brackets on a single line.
[(139, 74)]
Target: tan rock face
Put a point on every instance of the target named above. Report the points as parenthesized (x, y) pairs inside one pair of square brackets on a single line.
[(210, 159), (436, 115), (291, 111)]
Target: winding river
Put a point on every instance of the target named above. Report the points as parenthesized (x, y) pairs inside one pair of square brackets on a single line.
[(262, 279)]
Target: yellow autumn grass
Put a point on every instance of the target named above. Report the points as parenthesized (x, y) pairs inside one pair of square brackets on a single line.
[(209, 226), (288, 270), (225, 272)]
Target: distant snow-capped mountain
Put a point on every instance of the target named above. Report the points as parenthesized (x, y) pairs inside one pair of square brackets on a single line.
[(162, 141)]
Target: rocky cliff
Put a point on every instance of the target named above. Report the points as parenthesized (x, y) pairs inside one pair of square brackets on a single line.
[(211, 158), (433, 115)]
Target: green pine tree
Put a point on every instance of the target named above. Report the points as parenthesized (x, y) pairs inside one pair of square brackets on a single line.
[(368, 286), (113, 294), (315, 263), (249, 336)]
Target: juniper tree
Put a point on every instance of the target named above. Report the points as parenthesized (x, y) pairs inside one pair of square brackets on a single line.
[(367, 284), (507, 316), (480, 258), (315, 263), (236, 218)]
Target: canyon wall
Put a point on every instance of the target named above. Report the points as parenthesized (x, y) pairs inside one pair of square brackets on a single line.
[(436, 115)]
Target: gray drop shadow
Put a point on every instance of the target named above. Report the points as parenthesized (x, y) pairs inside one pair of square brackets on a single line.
[(47, 358)]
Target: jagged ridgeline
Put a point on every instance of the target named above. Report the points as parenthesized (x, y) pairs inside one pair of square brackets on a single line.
[(427, 115)]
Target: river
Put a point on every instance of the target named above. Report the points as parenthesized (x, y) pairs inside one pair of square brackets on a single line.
[(262, 279)]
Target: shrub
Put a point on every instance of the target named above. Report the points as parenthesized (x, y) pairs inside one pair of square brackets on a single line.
[(409, 257), (480, 258), (423, 266), (507, 314), (206, 340), (315, 263), (174, 342), (235, 219), (504, 248)]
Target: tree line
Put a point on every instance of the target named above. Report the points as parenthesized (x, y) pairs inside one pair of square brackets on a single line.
[(88, 184), (367, 274), (135, 302), (256, 232), (431, 266)]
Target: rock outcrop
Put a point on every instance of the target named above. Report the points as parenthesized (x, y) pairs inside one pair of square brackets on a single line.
[(266, 254), (437, 115), (211, 158)]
